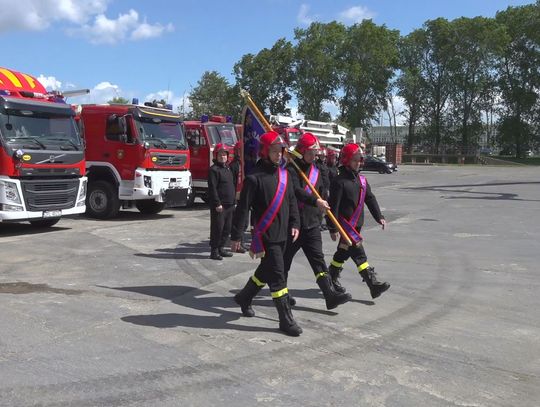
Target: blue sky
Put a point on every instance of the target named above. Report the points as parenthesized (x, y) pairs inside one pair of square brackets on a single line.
[(160, 49)]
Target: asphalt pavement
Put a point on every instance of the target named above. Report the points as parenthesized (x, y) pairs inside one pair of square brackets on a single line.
[(132, 312)]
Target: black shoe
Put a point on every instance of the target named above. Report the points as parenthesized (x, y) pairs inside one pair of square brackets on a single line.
[(331, 296), (214, 255), (287, 323), (292, 300), (376, 288), (334, 275), (225, 253), (245, 296), (241, 250)]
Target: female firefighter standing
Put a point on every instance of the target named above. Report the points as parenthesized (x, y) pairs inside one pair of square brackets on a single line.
[(270, 196)]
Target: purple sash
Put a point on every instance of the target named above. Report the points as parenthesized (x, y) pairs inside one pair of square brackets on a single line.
[(349, 225), (313, 177), (257, 247)]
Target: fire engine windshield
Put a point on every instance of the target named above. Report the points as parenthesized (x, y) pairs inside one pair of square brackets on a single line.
[(223, 133), (38, 130), (161, 133)]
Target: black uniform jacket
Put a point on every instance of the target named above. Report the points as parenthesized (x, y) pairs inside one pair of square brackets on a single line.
[(307, 202), (257, 194), (235, 168), (332, 172), (344, 193), (221, 187)]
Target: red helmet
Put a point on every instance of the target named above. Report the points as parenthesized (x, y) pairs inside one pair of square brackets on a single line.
[(219, 147), (266, 140), (331, 153), (348, 152), (307, 141)]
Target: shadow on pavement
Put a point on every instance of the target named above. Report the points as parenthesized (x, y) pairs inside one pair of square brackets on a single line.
[(190, 297)]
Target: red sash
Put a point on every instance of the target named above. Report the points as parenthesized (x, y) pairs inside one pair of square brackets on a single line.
[(349, 225), (257, 246), (313, 178)]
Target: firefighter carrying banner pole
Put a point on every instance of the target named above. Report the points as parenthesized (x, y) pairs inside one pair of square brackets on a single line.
[(267, 126)]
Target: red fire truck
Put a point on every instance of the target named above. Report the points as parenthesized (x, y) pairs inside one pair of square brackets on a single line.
[(41, 153), (134, 155), (203, 135)]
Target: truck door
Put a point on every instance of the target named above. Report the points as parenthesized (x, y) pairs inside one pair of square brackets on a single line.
[(200, 153), (123, 149)]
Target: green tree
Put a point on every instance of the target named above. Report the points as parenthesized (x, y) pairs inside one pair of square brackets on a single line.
[(437, 45), (409, 82), (268, 76), (119, 100), (519, 76), (475, 45), (213, 95), (317, 67), (369, 57)]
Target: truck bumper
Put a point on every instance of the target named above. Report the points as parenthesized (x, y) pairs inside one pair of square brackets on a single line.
[(171, 187)]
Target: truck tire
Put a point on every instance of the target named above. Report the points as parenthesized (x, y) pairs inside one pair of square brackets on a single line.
[(44, 223), (102, 200), (149, 206), (190, 199)]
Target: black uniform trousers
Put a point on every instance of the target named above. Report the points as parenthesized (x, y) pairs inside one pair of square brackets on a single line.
[(344, 252), (220, 226), (310, 241), (271, 269)]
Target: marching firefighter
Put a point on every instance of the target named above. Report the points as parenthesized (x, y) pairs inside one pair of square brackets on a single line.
[(310, 208), (331, 163), (269, 193), (348, 193), (221, 194)]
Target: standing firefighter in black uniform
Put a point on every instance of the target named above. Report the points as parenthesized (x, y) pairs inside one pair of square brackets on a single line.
[(348, 193), (310, 208), (236, 168), (221, 194), (269, 193)]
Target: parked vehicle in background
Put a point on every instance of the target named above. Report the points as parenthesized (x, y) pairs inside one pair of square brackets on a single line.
[(135, 155), (42, 169), (376, 164), (202, 136)]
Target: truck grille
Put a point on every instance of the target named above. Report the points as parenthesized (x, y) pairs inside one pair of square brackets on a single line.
[(43, 195), (171, 160)]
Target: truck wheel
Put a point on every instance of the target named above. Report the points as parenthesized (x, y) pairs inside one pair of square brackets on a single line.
[(102, 200), (44, 223), (190, 199), (149, 207)]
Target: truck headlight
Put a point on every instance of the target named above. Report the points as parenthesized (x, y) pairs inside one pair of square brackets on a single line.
[(11, 192), (82, 193)]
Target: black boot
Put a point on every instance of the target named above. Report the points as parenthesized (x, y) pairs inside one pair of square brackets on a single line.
[(225, 253), (332, 297), (287, 323), (214, 254), (375, 287), (334, 274), (245, 296), (292, 300)]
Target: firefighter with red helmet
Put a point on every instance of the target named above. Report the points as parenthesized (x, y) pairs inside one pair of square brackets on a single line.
[(221, 198), (331, 163), (348, 193), (269, 194), (310, 208)]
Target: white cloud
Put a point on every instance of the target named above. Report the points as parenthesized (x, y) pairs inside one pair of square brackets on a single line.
[(303, 16), (146, 30), (49, 82), (179, 103), (86, 18), (101, 93), (356, 14), (36, 15)]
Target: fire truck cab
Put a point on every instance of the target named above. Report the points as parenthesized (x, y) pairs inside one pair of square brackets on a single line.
[(41, 153), (202, 136), (135, 155)]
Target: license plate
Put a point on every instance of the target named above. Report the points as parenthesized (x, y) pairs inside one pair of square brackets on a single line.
[(174, 185), (52, 214)]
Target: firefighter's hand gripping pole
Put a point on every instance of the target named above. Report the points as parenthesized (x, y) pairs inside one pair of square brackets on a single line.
[(267, 127)]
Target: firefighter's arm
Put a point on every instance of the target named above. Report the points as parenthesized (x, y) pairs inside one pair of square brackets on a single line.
[(213, 197)]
